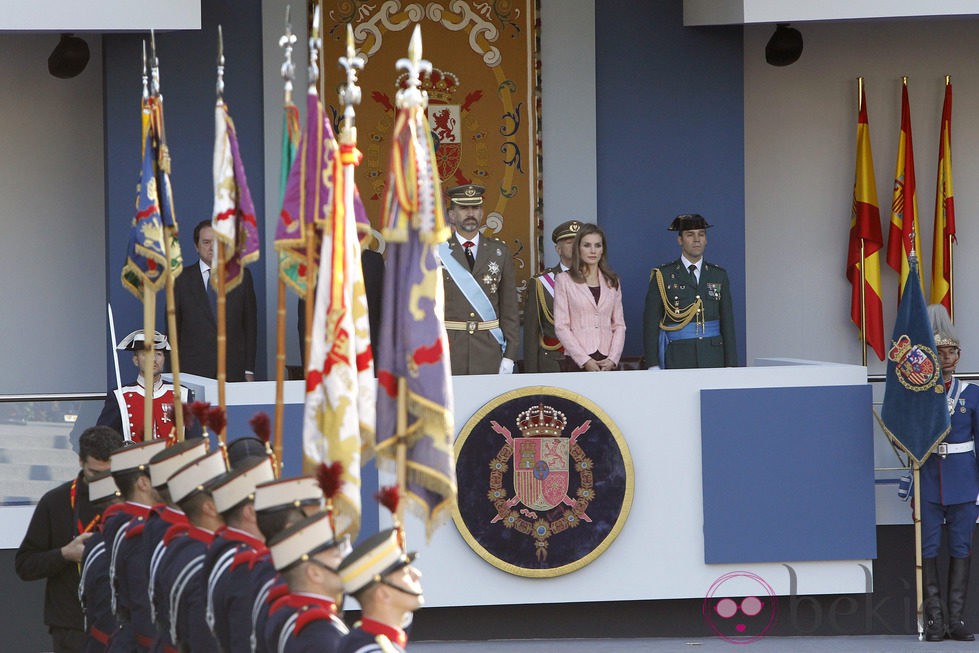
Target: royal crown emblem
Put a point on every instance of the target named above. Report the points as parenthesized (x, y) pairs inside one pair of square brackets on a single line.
[(541, 473), (916, 366)]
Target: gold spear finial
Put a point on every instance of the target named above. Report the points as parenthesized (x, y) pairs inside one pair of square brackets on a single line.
[(220, 87), (146, 79), (286, 41), (350, 94), (315, 43), (412, 95)]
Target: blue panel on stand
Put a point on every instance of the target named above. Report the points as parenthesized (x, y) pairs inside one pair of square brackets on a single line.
[(788, 474)]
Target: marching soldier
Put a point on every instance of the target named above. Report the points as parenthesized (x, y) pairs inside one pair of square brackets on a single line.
[(229, 604), (380, 575), (542, 349), (481, 314), (131, 472), (689, 315), (949, 486), (308, 555), (178, 588), (278, 505), (123, 408), (162, 517), (93, 588)]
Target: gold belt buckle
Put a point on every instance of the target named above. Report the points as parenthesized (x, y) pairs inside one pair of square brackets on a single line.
[(471, 326)]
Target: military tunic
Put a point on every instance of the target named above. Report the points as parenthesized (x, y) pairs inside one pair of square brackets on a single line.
[(229, 594), (115, 526), (949, 486), (479, 352), (542, 351), (314, 627), (370, 636), (94, 593), (179, 601), (682, 291), (130, 568)]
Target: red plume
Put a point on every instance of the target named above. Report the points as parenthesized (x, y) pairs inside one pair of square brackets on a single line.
[(216, 420), (199, 410), (262, 426), (330, 477), (389, 497)]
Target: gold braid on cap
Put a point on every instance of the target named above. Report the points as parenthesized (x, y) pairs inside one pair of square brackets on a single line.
[(943, 340)]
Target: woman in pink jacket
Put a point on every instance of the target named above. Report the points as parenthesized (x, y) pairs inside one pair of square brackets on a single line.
[(588, 306)]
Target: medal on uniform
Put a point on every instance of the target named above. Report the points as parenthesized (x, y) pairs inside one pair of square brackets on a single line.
[(714, 291)]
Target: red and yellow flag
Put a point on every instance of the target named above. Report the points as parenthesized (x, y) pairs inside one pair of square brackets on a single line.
[(941, 254), (904, 205), (865, 229)]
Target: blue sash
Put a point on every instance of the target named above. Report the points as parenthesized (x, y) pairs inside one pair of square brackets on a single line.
[(710, 329), (472, 291)]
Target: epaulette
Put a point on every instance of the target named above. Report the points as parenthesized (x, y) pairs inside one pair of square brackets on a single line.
[(713, 266), (244, 556), (174, 532), (277, 591), (136, 529), (111, 510), (308, 615)]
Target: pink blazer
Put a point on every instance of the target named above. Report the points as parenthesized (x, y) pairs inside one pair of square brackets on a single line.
[(584, 327)]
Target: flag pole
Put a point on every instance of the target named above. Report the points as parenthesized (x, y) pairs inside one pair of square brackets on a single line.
[(916, 515), (149, 341), (286, 42), (863, 260), (163, 167), (218, 260), (314, 79), (950, 237)]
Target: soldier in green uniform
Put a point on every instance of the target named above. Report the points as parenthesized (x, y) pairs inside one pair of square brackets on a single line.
[(689, 316), (481, 314), (542, 351)]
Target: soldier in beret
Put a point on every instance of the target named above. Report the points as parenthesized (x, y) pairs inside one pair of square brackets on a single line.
[(481, 314), (542, 349), (689, 316)]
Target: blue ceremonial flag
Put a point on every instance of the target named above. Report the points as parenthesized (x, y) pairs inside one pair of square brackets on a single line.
[(915, 414)]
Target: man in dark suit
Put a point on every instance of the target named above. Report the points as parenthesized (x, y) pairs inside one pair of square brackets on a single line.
[(194, 299), (689, 316), (481, 314), (542, 351)]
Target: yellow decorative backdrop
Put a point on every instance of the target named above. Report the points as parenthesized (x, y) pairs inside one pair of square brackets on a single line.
[(484, 101)]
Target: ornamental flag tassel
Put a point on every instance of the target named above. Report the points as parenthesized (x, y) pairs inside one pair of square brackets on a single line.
[(904, 235), (339, 415), (414, 396), (941, 259), (866, 240)]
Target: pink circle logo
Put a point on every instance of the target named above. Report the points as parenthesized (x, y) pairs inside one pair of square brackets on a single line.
[(746, 617)]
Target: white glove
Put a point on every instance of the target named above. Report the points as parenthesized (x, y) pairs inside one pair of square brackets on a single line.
[(653, 367), (506, 366)]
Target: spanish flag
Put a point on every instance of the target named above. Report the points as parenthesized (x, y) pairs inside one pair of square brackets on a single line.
[(941, 255), (904, 205), (865, 229)]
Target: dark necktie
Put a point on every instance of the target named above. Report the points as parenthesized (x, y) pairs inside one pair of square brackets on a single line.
[(693, 273), (469, 254), (212, 297)]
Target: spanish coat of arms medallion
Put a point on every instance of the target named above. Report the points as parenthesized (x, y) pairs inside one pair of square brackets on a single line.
[(545, 482)]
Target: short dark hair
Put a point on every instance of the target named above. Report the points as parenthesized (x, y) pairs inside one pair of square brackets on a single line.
[(197, 229), (273, 522), (99, 442), (126, 481)]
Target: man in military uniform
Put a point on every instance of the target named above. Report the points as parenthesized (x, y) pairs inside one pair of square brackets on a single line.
[(381, 576), (131, 472), (93, 588), (307, 555), (123, 408), (949, 485), (481, 314), (689, 316), (229, 596), (542, 351), (178, 588)]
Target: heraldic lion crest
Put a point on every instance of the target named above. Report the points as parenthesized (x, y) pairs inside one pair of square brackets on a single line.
[(548, 496)]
